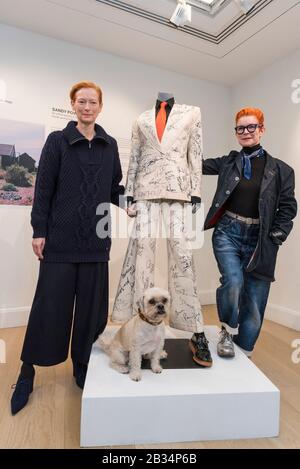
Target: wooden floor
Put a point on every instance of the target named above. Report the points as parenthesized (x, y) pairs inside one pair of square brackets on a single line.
[(52, 417)]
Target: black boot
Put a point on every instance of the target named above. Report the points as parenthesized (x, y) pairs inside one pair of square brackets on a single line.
[(22, 388), (79, 373), (199, 346)]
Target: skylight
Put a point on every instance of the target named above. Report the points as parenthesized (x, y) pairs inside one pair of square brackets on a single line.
[(210, 6)]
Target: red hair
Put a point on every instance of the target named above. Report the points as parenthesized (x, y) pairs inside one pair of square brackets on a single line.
[(85, 84), (251, 111)]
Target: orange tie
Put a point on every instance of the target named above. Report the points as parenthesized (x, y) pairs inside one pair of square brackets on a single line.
[(161, 120)]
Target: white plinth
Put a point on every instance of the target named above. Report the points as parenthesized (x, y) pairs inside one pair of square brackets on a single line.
[(231, 400)]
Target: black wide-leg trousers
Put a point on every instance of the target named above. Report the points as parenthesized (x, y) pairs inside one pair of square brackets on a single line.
[(67, 294)]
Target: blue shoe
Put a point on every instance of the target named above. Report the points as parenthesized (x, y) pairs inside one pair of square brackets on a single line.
[(20, 397), (79, 373)]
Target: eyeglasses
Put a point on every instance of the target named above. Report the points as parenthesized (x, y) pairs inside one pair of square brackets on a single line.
[(240, 129)]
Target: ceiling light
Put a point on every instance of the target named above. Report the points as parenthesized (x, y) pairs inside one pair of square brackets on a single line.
[(246, 5), (182, 13)]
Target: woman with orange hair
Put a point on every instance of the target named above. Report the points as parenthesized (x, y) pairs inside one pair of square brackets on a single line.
[(252, 212), (79, 175)]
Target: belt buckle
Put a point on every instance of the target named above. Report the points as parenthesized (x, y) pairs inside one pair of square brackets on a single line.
[(248, 221)]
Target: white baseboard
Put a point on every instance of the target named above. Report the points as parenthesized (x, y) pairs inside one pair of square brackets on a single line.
[(14, 317), (284, 316)]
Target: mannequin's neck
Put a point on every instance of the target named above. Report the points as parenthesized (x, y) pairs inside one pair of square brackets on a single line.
[(162, 96)]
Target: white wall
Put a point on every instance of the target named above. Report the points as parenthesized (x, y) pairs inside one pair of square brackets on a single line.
[(39, 72), (272, 91)]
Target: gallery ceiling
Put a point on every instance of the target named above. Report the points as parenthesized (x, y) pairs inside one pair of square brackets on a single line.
[(221, 44)]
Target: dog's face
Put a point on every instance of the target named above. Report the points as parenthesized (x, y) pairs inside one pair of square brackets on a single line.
[(155, 304)]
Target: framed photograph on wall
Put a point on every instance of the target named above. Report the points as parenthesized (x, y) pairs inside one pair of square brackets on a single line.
[(20, 148)]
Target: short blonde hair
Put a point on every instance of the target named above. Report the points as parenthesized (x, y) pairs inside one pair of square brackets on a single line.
[(85, 84)]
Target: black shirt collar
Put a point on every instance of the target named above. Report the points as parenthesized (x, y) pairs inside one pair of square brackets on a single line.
[(249, 150), (170, 104), (73, 135)]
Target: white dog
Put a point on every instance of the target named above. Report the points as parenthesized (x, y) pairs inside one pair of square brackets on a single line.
[(142, 335)]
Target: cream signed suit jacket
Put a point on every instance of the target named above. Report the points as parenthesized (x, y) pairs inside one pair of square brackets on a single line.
[(172, 168)]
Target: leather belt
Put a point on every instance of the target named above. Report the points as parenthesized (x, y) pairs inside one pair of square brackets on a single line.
[(248, 221)]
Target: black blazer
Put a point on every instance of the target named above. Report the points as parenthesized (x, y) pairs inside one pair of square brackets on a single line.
[(277, 204)]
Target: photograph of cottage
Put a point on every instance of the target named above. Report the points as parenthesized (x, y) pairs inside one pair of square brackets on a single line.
[(20, 148)]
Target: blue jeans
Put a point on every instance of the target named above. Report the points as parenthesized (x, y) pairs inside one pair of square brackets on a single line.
[(241, 297)]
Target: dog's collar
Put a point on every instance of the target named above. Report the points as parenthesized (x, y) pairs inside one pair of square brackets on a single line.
[(143, 318)]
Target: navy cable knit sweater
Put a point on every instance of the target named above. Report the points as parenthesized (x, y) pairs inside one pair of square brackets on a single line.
[(75, 176)]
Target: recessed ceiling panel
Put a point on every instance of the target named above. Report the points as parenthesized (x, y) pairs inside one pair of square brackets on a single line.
[(203, 26), (224, 48)]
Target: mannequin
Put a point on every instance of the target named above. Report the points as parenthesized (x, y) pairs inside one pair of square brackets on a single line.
[(162, 96), (164, 176), (170, 99), (165, 97)]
